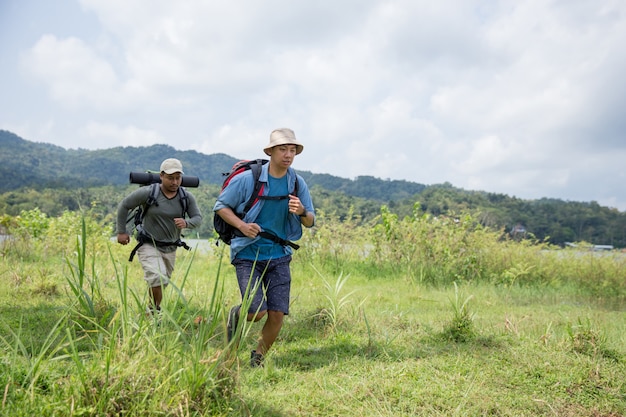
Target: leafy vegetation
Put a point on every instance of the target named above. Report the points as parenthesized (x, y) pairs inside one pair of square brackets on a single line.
[(57, 180), (407, 300), (37, 165), (420, 315)]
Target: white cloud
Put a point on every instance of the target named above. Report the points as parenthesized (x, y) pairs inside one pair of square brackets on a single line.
[(522, 98), (71, 70), (100, 136)]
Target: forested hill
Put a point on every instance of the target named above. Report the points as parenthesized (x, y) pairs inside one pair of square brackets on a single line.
[(40, 165), (55, 179)]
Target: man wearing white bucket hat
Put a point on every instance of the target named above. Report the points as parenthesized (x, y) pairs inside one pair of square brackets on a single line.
[(261, 250)]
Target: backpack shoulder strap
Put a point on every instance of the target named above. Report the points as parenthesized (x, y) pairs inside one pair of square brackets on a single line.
[(154, 194), (258, 186), (184, 200), (151, 200), (295, 187)]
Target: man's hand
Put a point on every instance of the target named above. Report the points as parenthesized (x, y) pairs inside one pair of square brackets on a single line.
[(123, 238), (295, 205), (250, 230), (180, 222)]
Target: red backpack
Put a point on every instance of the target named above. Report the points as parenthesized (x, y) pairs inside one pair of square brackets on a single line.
[(225, 231)]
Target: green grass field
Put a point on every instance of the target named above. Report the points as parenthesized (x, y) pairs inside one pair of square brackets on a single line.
[(368, 335)]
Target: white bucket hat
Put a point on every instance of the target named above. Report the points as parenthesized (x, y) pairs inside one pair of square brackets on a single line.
[(283, 136), (171, 165)]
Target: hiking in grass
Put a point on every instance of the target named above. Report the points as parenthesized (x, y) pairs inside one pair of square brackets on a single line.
[(262, 244), (159, 234)]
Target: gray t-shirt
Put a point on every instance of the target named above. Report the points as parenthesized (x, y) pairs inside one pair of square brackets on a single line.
[(159, 218)]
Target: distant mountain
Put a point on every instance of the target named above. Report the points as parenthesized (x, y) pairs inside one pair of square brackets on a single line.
[(62, 179), (40, 165)]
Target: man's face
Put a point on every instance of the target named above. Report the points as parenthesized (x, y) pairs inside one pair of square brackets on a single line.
[(171, 182), (283, 155)]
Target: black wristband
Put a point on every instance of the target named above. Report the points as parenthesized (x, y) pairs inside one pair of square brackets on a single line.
[(304, 213)]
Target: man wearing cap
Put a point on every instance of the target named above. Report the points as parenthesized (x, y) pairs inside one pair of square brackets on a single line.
[(262, 264), (159, 235)]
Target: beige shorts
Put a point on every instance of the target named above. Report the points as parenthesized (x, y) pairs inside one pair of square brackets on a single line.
[(157, 266)]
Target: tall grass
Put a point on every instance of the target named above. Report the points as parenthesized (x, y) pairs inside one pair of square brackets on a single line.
[(105, 356), (461, 326), (336, 301), (442, 250), (419, 316)]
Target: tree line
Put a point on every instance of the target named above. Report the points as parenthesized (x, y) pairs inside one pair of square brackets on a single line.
[(55, 180)]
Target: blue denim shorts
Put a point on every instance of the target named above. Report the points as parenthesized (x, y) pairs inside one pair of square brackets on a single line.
[(274, 276)]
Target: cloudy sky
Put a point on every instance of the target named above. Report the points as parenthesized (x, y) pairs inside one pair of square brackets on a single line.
[(525, 98)]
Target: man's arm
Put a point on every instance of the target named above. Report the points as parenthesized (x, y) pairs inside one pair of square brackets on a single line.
[(193, 211), (296, 207), (248, 229)]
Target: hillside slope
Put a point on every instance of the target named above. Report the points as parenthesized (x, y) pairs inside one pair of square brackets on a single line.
[(41, 165)]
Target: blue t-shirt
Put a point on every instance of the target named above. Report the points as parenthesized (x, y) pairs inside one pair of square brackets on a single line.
[(272, 218)]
